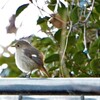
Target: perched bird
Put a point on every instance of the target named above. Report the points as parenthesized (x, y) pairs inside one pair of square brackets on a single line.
[(28, 58)]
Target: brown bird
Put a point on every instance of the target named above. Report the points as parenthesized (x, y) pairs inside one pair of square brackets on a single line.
[(28, 58)]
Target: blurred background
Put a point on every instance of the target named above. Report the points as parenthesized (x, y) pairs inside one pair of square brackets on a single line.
[(13, 28), (66, 31)]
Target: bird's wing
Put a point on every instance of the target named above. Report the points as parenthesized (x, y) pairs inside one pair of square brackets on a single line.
[(34, 55)]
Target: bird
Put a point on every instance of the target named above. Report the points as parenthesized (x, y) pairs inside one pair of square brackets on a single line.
[(28, 58)]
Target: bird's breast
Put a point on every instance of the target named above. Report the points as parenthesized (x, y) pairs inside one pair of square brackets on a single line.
[(24, 63)]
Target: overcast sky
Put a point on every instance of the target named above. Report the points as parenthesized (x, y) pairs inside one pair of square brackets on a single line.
[(28, 19)]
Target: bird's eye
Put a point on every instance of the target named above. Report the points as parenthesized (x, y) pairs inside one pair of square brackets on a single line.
[(18, 45)]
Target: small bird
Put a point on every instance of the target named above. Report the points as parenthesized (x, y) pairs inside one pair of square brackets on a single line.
[(28, 58)]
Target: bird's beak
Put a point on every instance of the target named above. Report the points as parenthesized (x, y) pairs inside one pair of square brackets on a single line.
[(13, 44)]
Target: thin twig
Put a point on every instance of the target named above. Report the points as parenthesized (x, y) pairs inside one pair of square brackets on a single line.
[(64, 47), (84, 36), (38, 6), (5, 4), (41, 9), (62, 44), (85, 44), (70, 28), (89, 12)]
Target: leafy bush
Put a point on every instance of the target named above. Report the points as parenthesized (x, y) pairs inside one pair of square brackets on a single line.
[(72, 45)]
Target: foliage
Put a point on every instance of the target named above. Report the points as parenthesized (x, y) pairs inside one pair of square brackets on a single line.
[(72, 45)]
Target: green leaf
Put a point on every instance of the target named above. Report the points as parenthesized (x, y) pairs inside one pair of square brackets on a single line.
[(71, 47), (8, 60), (14, 71), (79, 57), (47, 41), (71, 40), (52, 58), (42, 20), (53, 68), (80, 45), (44, 26), (43, 23), (53, 1), (98, 8), (57, 35), (95, 18), (51, 7), (21, 8), (74, 15), (52, 4), (95, 64), (62, 10), (94, 48)]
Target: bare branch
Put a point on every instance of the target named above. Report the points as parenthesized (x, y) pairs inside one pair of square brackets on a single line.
[(89, 12), (85, 43)]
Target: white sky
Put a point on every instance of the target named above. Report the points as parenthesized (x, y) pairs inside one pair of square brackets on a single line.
[(28, 19)]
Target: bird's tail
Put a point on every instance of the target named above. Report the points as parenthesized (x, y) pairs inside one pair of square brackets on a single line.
[(43, 69)]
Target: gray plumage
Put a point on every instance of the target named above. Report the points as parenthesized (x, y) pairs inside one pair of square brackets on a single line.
[(28, 57)]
